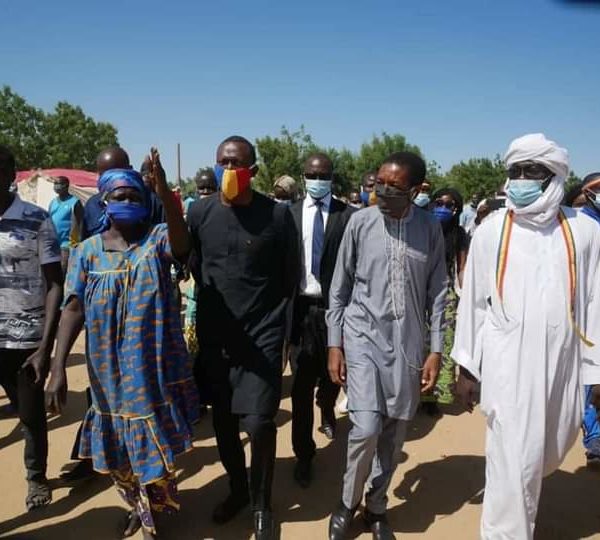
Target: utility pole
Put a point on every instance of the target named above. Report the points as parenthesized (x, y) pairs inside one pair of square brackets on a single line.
[(178, 165)]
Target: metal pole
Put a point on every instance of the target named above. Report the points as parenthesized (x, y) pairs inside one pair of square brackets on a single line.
[(178, 165)]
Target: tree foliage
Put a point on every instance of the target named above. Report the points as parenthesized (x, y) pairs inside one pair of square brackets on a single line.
[(286, 153), (66, 137), (477, 175), (281, 155)]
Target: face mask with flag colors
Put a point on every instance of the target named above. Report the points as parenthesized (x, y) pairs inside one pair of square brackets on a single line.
[(233, 182)]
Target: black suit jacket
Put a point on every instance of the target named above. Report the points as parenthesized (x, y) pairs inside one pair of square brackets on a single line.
[(339, 214)]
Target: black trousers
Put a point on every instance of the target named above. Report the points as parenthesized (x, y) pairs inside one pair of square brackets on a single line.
[(261, 429), (28, 400), (310, 366)]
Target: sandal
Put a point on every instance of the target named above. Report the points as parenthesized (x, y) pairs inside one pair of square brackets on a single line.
[(39, 494), (133, 523)]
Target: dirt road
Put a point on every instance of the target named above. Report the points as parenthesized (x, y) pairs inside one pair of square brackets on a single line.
[(435, 494)]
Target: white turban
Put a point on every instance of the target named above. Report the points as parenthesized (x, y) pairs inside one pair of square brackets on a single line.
[(535, 147)]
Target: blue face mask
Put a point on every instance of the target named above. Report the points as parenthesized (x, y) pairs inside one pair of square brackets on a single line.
[(127, 213), (422, 200), (318, 189), (443, 214), (524, 192), (364, 197)]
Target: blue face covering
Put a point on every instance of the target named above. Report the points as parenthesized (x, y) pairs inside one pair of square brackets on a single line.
[(524, 192), (318, 189), (422, 200), (127, 213), (364, 197), (443, 214)]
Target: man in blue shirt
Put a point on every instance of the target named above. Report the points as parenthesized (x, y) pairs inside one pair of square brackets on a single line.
[(66, 212)]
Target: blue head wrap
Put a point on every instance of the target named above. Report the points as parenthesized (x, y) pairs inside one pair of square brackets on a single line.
[(121, 178)]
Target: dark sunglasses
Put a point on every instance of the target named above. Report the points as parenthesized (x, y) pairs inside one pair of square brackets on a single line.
[(450, 205), (311, 176), (531, 171)]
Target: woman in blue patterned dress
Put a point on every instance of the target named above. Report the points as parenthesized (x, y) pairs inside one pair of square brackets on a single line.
[(144, 395)]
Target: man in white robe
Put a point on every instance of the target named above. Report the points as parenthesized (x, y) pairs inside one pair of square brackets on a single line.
[(527, 320)]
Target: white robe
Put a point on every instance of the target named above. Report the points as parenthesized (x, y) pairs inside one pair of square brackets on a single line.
[(530, 361)]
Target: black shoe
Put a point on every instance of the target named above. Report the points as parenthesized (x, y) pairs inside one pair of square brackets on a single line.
[(303, 473), (378, 525), (82, 471), (263, 525), (230, 508), (340, 523), (328, 430), (431, 408), (592, 461)]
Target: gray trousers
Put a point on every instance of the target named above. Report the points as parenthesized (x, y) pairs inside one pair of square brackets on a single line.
[(372, 443)]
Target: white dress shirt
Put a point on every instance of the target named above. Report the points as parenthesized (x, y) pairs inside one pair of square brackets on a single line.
[(309, 286)]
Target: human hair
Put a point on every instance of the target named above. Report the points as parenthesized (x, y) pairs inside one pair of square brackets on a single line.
[(412, 162), (320, 156), (7, 158), (243, 140), (592, 177)]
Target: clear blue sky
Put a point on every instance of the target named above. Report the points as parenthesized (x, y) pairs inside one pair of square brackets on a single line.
[(458, 78)]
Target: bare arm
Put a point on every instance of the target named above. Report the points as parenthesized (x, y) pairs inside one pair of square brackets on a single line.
[(179, 236), (71, 323), (40, 359)]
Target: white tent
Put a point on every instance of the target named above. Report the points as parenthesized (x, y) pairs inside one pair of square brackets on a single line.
[(38, 186)]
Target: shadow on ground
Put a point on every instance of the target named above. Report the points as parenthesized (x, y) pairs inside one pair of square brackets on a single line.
[(427, 493)]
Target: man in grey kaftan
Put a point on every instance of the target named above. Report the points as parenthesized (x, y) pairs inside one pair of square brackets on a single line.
[(388, 291)]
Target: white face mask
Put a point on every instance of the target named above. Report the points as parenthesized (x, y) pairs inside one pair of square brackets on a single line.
[(318, 189), (422, 200)]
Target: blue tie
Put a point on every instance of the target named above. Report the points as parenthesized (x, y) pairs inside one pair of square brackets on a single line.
[(317, 241)]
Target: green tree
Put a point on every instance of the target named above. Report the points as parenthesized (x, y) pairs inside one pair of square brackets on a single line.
[(75, 139), (572, 181), (285, 154), (280, 155), (66, 137), (22, 129), (477, 175), (372, 154)]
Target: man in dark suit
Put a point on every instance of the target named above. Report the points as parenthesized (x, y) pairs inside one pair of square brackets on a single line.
[(320, 220)]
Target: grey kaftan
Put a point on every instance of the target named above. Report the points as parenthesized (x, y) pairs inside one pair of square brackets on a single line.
[(390, 281)]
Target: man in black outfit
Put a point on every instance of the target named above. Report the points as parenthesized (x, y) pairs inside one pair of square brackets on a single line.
[(320, 221), (246, 272)]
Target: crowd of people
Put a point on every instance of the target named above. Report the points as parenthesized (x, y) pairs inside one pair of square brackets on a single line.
[(401, 295)]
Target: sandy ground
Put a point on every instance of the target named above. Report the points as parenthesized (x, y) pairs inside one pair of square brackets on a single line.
[(435, 493)]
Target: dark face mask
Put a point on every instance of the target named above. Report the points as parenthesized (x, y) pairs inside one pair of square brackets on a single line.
[(392, 201)]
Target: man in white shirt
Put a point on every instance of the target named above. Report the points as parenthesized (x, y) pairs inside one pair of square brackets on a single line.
[(321, 220), (528, 329)]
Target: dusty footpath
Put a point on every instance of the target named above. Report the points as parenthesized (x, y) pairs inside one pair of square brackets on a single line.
[(436, 492)]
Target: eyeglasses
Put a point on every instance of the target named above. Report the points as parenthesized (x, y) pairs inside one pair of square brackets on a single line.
[(530, 171), (450, 205), (315, 176)]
